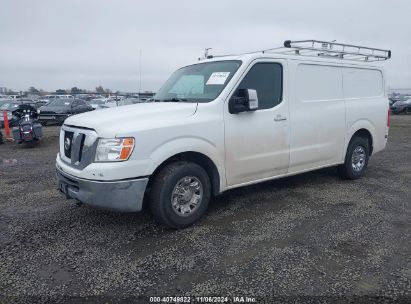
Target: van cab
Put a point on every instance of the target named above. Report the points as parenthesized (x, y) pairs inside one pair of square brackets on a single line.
[(227, 122)]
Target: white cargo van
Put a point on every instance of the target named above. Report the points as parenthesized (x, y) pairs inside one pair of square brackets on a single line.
[(227, 122)]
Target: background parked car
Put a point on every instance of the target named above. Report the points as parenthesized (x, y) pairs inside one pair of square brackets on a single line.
[(130, 100), (110, 103), (393, 100), (3, 101), (86, 97), (401, 106), (40, 103), (97, 102), (57, 110)]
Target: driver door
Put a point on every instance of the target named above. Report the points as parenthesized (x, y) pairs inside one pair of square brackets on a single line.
[(257, 142)]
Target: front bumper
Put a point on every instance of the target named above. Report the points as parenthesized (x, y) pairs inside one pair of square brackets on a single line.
[(124, 195)]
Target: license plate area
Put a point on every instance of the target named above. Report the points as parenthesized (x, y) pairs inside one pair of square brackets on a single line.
[(27, 135)]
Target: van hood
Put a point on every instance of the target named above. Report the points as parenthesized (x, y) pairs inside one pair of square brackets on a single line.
[(123, 119)]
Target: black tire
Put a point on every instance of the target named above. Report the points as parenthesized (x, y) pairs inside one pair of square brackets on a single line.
[(162, 189), (347, 170)]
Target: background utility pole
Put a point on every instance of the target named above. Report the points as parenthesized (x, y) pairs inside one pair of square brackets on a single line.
[(139, 86)]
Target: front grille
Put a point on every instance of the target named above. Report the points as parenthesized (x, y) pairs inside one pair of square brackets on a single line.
[(68, 139), (80, 154), (78, 146)]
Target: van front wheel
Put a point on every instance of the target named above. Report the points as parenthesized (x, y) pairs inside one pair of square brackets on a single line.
[(356, 159), (180, 194)]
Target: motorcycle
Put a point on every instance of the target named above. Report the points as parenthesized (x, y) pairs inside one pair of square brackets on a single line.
[(28, 130)]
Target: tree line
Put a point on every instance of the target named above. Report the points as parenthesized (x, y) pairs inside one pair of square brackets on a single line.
[(74, 90)]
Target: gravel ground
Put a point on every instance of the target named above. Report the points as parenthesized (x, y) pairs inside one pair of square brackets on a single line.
[(309, 237)]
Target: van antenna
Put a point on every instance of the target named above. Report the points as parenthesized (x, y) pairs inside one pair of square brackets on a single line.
[(139, 66)]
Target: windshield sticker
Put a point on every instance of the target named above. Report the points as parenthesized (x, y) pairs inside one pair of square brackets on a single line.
[(218, 78)]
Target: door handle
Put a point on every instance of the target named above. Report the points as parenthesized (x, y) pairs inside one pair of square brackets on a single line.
[(279, 117)]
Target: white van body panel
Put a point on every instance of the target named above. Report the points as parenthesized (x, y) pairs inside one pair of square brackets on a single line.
[(322, 105), (366, 103), (256, 145), (317, 112)]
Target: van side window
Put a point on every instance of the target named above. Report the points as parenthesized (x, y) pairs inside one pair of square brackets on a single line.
[(267, 79)]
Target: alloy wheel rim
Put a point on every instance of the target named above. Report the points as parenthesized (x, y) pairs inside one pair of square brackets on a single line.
[(187, 196), (358, 159)]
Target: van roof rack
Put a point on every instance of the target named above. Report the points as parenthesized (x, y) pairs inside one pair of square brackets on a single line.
[(332, 49), (329, 49)]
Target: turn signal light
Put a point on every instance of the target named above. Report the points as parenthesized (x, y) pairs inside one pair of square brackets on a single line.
[(127, 148)]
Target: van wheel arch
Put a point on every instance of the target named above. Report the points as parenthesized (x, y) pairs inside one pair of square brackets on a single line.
[(363, 133), (195, 157)]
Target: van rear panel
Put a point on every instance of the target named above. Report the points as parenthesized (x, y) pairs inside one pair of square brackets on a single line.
[(329, 102), (366, 103)]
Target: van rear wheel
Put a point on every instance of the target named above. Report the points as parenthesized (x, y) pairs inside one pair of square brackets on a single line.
[(180, 194), (356, 159)]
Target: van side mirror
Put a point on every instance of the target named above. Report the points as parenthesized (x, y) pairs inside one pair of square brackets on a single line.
[(245, 101)]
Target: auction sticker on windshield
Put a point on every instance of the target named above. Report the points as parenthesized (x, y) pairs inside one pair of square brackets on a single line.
[(218, 78)]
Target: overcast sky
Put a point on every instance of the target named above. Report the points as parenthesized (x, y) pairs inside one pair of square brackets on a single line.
[(60, 44)]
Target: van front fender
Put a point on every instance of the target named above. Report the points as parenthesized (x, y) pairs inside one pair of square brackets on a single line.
[(176, 146)]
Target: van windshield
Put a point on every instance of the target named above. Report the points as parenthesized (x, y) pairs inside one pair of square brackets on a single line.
[(201, 82)]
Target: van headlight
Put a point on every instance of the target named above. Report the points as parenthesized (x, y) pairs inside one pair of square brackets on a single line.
[(114, 149)]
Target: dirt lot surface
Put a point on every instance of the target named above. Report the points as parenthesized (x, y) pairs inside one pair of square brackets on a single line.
[(313, 236)]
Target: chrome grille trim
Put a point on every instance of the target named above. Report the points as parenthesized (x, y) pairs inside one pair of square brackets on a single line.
[(84, 141)]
